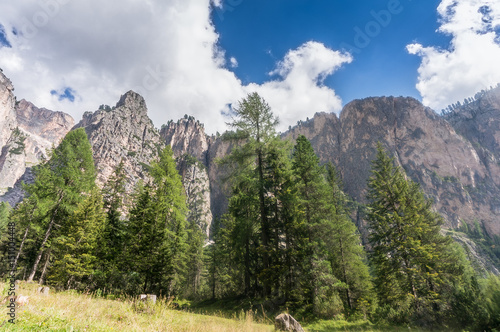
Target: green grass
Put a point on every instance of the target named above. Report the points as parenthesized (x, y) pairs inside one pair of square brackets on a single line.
[(70, 311)]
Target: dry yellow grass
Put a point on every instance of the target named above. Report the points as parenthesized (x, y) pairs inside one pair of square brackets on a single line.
[(70, 311)]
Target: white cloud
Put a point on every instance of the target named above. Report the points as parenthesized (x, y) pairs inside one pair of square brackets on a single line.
[(471, 62), (234, 62), (299, 90), (167, 50)]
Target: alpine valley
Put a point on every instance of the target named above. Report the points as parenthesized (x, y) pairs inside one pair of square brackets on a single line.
[(455, 156)]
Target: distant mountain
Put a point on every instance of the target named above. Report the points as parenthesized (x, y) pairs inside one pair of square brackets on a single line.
[(26, 135)]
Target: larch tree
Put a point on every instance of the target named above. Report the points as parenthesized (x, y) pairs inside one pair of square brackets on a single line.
[(255, 125), (61, 184)]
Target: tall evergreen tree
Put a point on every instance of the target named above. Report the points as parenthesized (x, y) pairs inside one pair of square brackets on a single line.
[(413, 262), (346, 252), (316, 217), (111, 239), (60, 185), (156, 234), (76, 247), (255, 125)]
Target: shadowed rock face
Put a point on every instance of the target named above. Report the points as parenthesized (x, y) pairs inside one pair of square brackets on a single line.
[(446, 164), (27, 133)]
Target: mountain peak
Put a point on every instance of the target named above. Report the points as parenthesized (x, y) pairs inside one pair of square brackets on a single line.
[(132, 99)]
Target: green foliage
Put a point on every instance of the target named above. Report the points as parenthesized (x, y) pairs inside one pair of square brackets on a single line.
[(488, 244), (76, 246), (45, 217), (414, 265), (156, 233), (19, 139), (5, 210), (111, 239)]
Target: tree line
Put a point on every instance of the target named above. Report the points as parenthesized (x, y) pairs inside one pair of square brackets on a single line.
[(286, 240)]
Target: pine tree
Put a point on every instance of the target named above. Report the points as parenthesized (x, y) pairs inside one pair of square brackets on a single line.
[(347, 253), (321, 229), (111, 240), (413, 262)]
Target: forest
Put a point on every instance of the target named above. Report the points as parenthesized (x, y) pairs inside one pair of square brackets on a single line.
[(287, 241)]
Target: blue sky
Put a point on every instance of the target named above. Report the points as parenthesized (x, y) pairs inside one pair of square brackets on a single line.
[(260, 32), (197, 57)]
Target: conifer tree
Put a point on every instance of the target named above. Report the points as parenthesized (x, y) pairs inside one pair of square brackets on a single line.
[(346, 252), (315, 215), (413, 262), (111, 239), (76, 247), (156, 234), (60, 185), (255, 125)]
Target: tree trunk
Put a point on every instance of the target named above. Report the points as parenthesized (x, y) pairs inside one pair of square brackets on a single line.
[(263, 223), (247, 266), (44, 271), (20, 250), (40, 253), (348, 294), (45, 239)]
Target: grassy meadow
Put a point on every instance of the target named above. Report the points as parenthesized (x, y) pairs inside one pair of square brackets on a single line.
[(73, 311)]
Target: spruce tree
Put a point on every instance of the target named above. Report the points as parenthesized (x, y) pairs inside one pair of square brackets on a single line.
[(413, 262), (334, 264), (75, 249), (346, 252), (156, 233), (111, 239), (315, 216)]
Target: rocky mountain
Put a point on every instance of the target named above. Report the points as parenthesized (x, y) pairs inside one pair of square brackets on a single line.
[(454, 157), (443, 156), (190, 145), (27, 133), (125, 133), (187, 138), (122, 133), (432, 153)]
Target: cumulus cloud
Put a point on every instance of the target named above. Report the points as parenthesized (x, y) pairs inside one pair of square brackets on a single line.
[(471, 62), (166, 50), (299, 85)]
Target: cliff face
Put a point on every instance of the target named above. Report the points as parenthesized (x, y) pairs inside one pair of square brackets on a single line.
[(452, 168), (190, 146), (27, 133), (428, 148), (123, 133)]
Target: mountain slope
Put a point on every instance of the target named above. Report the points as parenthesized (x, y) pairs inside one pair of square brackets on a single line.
[(27, 133)]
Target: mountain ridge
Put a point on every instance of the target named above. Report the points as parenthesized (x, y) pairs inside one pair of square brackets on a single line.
[(454, 157)]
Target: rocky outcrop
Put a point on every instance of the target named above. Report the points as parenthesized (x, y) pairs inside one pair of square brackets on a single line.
[(426, 146), (27, 133), (190, 146), (122, 133)]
